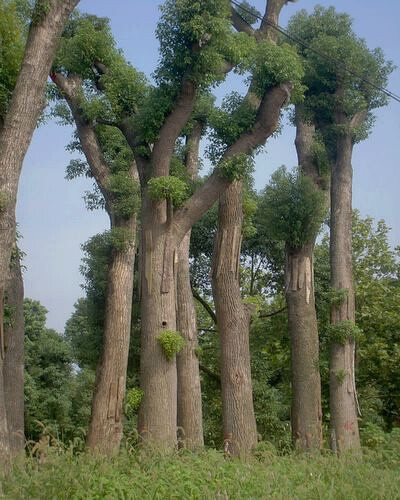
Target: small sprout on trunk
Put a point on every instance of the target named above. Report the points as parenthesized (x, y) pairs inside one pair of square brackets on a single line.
[(343, 331), (168, 187), (171, 343), (341, 376), (132, 400)]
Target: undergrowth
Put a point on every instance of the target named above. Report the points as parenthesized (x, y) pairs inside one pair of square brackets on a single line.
[(53, 472)]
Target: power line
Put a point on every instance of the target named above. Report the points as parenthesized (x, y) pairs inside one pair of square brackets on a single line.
[(302, 43)]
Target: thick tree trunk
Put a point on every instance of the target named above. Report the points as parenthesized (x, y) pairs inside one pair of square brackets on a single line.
[(343, 396), (13, 369), (233, 317), (306, 414), (105, 429), (17, 130), (190, 417), (306, 417), (157, 422)]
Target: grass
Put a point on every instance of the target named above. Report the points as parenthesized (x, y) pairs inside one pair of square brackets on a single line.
[(206, 475)]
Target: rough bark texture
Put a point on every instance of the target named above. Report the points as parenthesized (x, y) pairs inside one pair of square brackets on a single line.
[(13, 369), (17, 130), (233, 318), (306, 414), (343, 397), (158, 411), (105, 429), (190, 415)]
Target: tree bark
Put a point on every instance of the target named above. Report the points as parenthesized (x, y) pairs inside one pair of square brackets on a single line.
[(306, 415), (233, 319), (105, 429), (343, 397), (190, 414), (13, 369), (157, 423)]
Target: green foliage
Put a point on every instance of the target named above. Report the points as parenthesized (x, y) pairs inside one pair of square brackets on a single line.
[(11, 51), (207, 474), (194, 37), (168, 188), (235, 116), (343, 331), (133, 399), (272, 65), (171, 343), (125, 194), (293, 208), (120, 238), (330, 33), (236, 167), (86, 39), (338, 296)]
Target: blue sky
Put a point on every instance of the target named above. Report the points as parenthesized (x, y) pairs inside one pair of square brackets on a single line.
[(51, 213)]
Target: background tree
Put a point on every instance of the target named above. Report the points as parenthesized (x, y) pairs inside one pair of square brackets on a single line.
[(347, 101)]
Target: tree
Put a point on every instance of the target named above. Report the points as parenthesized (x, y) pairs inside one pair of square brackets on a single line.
[(346, 101), (22, 98), (110, 162), (233, 315), (293, 210)]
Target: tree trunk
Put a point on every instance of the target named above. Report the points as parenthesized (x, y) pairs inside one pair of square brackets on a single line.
[(105, 429), (13, 369), (343, 397), (157, 421), (190, 417), (233, 317), (306, 416)]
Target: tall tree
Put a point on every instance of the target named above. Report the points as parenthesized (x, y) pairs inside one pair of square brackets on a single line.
[(24, 103), (13, 352), (232, 314), (190, 414), (198, 47), (110, 163), (293, 209), (345, 100)]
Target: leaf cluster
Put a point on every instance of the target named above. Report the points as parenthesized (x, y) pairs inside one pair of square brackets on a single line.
[(171, 343), (168, 188), (293, 208)]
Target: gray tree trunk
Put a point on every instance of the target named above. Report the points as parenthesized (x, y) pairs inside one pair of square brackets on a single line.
[(233, 318), (13, 368), (190, 414), (106, 422), (343, 396), (306, 413)]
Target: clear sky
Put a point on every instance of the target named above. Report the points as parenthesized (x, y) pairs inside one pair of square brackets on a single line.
[(51, 213)]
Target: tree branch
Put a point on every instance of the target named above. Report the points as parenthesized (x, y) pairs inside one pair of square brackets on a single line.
[(210, 373), (205, 304), (172, 127), (70, 88), (240, 24), (269, 315)]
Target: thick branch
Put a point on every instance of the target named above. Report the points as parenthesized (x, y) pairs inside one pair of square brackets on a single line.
[(240, 24), (172, 127), (70, 88), (205, 196)]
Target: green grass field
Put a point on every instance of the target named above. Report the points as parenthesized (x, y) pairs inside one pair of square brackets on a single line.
[(207, 475)]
